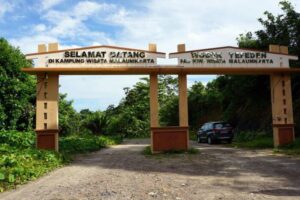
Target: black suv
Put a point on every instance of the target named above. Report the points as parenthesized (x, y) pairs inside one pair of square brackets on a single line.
[(215, 131)]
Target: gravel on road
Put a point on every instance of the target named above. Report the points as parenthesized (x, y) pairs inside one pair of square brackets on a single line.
[(122, 172)]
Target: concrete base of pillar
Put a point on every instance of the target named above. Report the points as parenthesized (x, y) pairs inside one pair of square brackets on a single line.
[(47, 139), (283, 134), (169, 138)]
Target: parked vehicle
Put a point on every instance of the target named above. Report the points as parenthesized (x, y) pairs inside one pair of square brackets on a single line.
[(212, 132)]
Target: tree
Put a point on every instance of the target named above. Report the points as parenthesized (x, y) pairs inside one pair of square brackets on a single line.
[(131, 116), (246, 99), (283, 29), (17, 94), (168, 100), (205, 104), (69, 119), (96, 122)]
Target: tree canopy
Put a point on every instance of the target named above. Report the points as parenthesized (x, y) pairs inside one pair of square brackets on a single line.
[(17, 94)]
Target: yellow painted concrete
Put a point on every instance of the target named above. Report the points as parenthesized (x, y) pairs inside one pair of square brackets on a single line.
[(281, 97)]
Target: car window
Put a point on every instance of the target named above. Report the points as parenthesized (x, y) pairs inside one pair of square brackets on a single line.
[(209, 126), (221, 125), (206, 126), (218, 125)]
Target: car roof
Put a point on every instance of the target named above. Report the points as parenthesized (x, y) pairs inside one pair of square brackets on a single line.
[(214, 122)]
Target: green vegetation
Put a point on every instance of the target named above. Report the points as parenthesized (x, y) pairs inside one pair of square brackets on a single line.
[(17, 89), (193, 135), (147, 151), (253, 140), (20, 161), (291, 149), (193, 151), (262, 140), (82, 144)]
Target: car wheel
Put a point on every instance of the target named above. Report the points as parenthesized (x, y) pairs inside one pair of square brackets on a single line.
[(209, 140), (198, 139), (229, 141)]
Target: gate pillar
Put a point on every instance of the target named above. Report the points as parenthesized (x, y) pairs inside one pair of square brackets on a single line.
[(183, 107), (282, 105), (154, 107), (170, 137), (47, 97)]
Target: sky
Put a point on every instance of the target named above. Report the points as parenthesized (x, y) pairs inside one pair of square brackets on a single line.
[(127, 23)]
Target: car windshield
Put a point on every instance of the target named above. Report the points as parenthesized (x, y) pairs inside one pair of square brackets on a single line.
[(221, 125)]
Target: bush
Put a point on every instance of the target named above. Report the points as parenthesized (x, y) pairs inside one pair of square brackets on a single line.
[(20, 161), (87, 143), (18, 139)]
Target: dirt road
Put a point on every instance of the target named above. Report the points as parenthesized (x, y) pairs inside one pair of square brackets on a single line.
[(122, 172)]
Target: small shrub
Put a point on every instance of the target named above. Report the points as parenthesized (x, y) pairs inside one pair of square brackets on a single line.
[(147, 151), (20, 161), (193, 135), (193, 151)]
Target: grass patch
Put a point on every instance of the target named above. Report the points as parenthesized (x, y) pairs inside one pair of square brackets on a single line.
[(258, 143), (261, 140), (193, 151), (147, 152), (21, 162), (193, 135), (252, 140), (290, 149)]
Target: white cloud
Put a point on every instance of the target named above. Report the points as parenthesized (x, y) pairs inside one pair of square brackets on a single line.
[(5, 7), (47, 4), (65, 25), (40, 28), (71, 24), (29, 44), (198, 24), (85, 9)]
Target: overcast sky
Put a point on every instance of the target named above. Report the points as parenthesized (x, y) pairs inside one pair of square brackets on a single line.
[(129, 23)]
